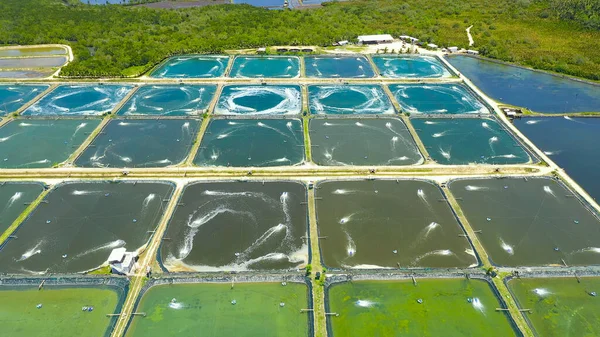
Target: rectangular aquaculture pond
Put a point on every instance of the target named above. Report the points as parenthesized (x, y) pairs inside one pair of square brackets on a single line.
[(15, 197), (78, 224), (389, 224), (25, 73), (30, 143), (437, 99), (79, 100), (258, 143), (356, 66), (238, 226), (561, 306), (57, 309), (169, 100), (192, 66), (349, 100), (259, 100), (32, 51), (141, 143), (381, 141), (32, 62), (460, 141), (572, 143), (531, 89), (431, 307), (410, 66), (13, 97), (265, 66), (529, 221), (220, 309)]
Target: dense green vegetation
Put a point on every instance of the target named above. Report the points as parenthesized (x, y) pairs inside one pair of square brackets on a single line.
[(123, 40)]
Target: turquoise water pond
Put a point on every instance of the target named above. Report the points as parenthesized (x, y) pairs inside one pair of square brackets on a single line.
[(192, 66), (534, 90), (437, 99), (169, 100), (260, 143), (267, 66), (460, 141), (42, 143), (410, 66), (79, 100), (259, 100), (12, 97), (338, 67), (348, 100)]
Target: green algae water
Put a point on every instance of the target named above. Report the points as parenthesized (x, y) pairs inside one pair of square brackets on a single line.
[(28, 143), (265, 66), (406, 66), (169, 100), (206, 310), (258, 143), (79, 223), (141, 143), (529, 221), (235, 226), (192, 66), (14, 198), (61, 313), (381, 141), (356, 66), (560, 306), (450, 308), (35, 51), (259, 100), (13, 97), (348, 100), (460, 141), (389, 224), (437, 99)]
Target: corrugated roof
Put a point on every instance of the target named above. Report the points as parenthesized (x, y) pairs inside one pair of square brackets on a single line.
[(380, 37)]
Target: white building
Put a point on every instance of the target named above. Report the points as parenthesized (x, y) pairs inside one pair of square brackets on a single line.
[(472, 52), (375, 39), (408, 38), (121, 261), (432, 46), (453, 49)]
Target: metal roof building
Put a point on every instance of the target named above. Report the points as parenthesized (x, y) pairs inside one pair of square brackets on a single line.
[(375, 39)]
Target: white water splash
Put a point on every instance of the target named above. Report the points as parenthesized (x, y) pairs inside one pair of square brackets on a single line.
[(541, 292), (365, 303), (532, 122), (476, 188), (31, 252), (441, 252), (548, 190), (445, 154), (477, 304), (507, 248), (107, 246), (14, 198)]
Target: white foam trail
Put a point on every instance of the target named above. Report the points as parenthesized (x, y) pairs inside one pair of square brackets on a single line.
[(493, 140), (548, 190), (430, 122), (263, 125), (439, 134), (365, 303), (476, 188), (147, 201), (79, 192), (541, 292), (532, 122), (262, 239), (345, 219), (507, 248), (109, 245), (343, 191), (477, 304), (588, 250), (79, 127), (486, 125), (176, 305), (441, 252), (31, 252), (431, 227), (25, 124), (445, 154), (14, 198), (3, 139)]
